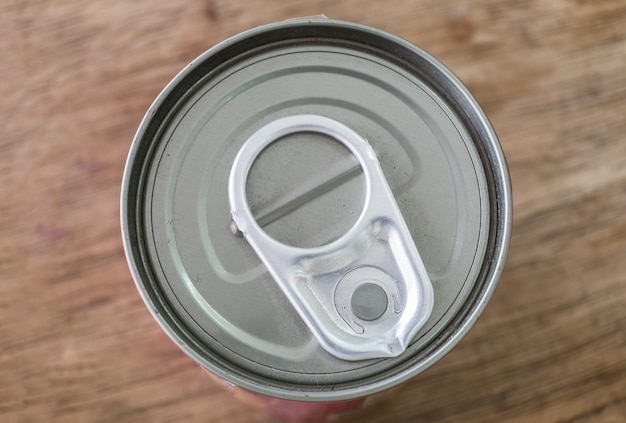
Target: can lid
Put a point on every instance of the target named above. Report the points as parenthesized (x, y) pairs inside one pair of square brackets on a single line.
[(209, 289)]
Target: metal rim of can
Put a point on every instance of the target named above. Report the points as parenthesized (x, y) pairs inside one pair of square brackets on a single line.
[(447, 85)]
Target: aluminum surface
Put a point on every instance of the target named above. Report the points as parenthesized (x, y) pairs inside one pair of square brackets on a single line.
[(209, 290)]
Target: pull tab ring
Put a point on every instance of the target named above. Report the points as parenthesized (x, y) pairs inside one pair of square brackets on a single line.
[(367, 293)]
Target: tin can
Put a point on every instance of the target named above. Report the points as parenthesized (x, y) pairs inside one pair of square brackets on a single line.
[(315, 211)]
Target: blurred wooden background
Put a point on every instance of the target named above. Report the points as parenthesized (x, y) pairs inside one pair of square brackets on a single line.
[(76, 77)]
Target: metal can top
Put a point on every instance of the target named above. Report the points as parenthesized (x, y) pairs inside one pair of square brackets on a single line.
[(207, 287)]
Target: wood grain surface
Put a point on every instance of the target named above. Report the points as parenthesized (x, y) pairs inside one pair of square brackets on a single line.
[(76, 77)]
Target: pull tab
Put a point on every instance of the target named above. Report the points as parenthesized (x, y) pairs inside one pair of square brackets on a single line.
[(364, 295)]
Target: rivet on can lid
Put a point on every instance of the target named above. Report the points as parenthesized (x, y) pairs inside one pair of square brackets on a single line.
[(369, 301)]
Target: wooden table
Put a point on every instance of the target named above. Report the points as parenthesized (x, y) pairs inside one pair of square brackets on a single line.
[(77, 343)]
